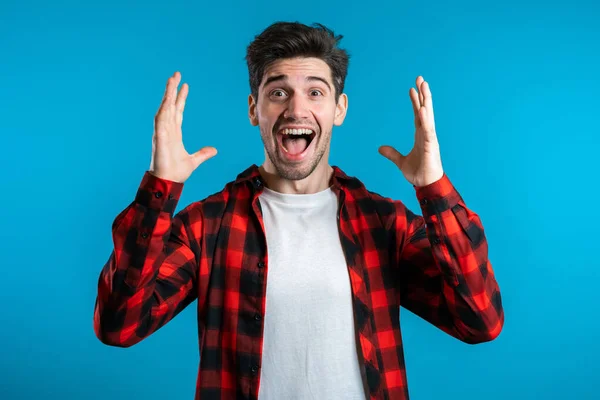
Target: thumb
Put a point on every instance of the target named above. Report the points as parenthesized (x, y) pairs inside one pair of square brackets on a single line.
[(393, 155), (202, 155)]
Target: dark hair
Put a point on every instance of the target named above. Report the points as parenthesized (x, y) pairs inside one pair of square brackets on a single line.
[(293, 39)]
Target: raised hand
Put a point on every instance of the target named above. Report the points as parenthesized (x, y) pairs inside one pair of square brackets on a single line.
[(423, 165), (170, 160)]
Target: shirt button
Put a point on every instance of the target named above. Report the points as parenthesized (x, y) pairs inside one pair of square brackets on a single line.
[(158, 195), (170, 196), (254, 369), (257, 317), (145, 235), (437, 241), (257, 182), (261, 264), (424, 201)]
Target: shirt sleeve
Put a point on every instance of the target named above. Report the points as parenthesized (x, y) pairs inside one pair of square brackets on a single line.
[(445, 275), (151, 274)]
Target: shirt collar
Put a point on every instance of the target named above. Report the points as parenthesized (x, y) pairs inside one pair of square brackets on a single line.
[(339, 179)]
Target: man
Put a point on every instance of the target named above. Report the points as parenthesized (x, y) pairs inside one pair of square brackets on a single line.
[(298, 269)]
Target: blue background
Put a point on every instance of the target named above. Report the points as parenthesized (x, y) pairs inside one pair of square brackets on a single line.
[(515, 90)]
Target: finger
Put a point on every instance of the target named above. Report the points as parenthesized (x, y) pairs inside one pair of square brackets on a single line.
[(181, 97), (419, 83), (392, 154), (428, 99), (428, 105), (203, 154), (414, 99), (424, 118), (167, 91), (171, 91), (173, 88), (428, 129)]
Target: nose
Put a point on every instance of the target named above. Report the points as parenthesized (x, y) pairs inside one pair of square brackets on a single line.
[(297, 108)]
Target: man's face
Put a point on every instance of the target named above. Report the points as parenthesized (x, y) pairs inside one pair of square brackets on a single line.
[(296, 111)]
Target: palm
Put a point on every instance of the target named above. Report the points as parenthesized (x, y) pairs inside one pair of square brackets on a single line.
[(423, 164)]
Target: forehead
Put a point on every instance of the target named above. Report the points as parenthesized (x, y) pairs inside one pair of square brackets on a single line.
[(297, 69)]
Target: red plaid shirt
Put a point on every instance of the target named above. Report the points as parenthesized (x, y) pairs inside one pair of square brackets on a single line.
[(214, 251)]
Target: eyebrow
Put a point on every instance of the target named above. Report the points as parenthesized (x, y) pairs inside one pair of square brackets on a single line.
[(276, 78)]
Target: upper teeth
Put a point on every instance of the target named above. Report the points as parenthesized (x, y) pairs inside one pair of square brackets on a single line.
[(297, 131)]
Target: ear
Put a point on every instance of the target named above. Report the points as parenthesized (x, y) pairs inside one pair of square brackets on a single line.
[(340, 110), (252, 113)]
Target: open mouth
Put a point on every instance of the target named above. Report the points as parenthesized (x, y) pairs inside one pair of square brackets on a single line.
[(295, 141)]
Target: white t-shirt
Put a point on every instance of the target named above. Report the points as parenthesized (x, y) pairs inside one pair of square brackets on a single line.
[(310, 344)]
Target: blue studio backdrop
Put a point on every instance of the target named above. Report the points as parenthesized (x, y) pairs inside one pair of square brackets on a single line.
[(515, 91)]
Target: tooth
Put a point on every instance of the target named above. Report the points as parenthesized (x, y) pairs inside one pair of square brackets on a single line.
[(302, 131)]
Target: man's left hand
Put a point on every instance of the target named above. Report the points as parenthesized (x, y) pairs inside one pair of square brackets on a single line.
[(423, 165)]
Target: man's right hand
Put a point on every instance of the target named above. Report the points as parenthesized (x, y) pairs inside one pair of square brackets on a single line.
[(170, 160)]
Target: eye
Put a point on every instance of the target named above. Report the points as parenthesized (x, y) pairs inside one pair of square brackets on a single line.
[(277, 93), (319, 93)]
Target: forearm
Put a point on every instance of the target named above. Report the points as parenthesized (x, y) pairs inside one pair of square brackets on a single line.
[(150, 274), (465, 297), (449, 279)]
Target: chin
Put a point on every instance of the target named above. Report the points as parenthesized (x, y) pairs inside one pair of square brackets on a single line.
[(296, 171)]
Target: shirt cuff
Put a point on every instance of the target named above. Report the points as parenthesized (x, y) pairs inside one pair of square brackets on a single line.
[(438, 196), (158, 194)]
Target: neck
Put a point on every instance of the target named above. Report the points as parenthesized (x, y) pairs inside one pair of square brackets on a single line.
[(317, 181)]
